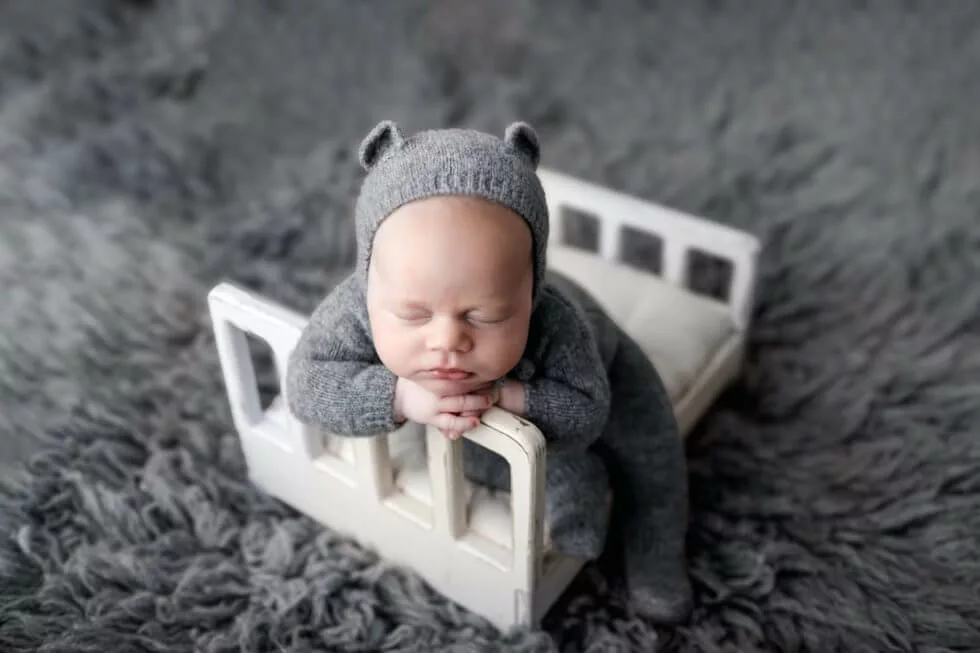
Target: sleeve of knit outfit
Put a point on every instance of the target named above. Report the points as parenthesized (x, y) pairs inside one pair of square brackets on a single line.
[(568, 395), (335, 379)]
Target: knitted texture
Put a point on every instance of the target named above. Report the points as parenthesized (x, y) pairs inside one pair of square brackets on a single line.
[(450, 162)]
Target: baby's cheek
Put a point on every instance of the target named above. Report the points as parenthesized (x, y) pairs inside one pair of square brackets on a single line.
[(393, 347), (506, 350)]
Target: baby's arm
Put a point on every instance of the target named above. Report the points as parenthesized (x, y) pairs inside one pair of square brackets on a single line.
[(568, 398), (334, 379)]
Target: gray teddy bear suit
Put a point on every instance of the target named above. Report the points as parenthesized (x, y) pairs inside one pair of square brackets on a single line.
[(601, 405)]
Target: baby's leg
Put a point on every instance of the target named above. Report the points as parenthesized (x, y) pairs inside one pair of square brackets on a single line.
[(650, 492), (485, 467), (576, 489)]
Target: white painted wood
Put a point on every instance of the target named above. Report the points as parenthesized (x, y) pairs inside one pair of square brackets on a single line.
[(510, 578), (679, 232), (446, 475)]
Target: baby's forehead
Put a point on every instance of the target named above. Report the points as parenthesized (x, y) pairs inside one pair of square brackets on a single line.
[(460, 211), (472, 263), (467, 222)]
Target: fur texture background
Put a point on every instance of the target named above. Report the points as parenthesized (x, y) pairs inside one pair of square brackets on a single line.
[(148, 150)]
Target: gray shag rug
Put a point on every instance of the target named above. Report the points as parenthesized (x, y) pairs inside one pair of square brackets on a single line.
[(149, 149)]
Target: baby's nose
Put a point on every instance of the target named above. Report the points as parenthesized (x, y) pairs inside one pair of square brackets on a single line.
[(448, 335)]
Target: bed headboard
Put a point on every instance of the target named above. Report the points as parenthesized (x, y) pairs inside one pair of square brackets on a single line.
[(681, 235)]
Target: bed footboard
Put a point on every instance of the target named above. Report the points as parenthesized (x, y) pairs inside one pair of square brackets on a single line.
[(355, 493)]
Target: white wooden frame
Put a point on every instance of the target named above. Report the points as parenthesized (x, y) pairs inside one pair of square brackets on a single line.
[(681, 234), (356, 495)]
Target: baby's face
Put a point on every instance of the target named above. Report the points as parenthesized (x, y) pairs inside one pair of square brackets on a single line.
[(449, 292)]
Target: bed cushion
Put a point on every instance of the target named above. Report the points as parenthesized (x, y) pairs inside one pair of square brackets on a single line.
[(677, 329)]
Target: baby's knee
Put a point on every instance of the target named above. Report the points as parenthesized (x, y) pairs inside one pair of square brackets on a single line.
[(576, 466), (582, 475), (485, 468), (576, 503)]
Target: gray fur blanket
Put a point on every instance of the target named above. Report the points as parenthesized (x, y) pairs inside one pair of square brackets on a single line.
[(150, 149)]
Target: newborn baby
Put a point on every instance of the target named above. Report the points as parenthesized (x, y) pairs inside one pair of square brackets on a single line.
[(451, 310)]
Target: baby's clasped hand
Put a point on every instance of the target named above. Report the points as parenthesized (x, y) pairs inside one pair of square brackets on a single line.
[(453, 415)]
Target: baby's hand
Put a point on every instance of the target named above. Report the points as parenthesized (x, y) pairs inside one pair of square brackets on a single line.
[(491, 393), (452, 415)]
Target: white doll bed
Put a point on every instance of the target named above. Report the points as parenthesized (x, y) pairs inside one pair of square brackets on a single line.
[(403, 493)]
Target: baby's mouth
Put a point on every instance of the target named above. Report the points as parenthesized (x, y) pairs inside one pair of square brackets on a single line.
[(449, 374)]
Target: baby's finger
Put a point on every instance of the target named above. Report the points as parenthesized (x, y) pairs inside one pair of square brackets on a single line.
[(451, 435), (458, 423), (464, 403)]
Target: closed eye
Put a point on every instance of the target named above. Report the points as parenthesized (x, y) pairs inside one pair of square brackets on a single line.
[(479, 318), (412, 316)]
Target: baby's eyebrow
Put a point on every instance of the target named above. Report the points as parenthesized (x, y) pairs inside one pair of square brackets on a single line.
[(408, 303), (496, 306)]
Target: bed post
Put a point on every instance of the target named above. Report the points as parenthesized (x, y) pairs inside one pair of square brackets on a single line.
[(236, 312)]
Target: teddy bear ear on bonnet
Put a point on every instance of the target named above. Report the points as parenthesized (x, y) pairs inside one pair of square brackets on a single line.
[(386, 136), (382, 138), (522, 137)]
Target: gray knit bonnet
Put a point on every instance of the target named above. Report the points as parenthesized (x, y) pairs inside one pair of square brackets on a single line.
[(450, 162)]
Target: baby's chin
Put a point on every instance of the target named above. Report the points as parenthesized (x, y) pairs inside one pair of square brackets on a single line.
[(446, 388)]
